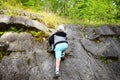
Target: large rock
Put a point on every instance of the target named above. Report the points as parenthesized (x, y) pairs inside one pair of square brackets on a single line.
[(91, 34), (18, 20), (27, 55), (94, 48), (22, 13), (113, 49), (83, 63), (9, 37), (109, 47), (30, 60), (94, 33), (108, 30)]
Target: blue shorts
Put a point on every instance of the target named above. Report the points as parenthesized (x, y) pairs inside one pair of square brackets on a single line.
[(59, 48)]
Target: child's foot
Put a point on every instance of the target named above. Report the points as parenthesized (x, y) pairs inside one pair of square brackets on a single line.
[(56, 76), (63, 56)]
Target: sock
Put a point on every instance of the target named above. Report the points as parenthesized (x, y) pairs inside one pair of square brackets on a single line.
[(57, 70)]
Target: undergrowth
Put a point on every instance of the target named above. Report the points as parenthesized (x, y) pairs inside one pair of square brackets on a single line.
[(107, 59), (37, 34)]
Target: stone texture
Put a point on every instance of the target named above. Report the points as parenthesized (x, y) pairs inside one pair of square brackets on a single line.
[(94, 33), (4, 20), (3, 46), (108, 30), (9, 37), (113, 49), (109, 47), (91, 33), (36, 64), (22, 13)]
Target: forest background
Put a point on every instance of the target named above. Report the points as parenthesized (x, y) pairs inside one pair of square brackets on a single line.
[(76, 11)]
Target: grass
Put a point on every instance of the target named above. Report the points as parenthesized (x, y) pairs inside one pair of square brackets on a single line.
[(1, 33), (7, 5), (107, 59), (2, 54), (37, 34), (50, 19)]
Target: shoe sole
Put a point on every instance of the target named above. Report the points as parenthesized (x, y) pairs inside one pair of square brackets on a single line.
[(56, 77)]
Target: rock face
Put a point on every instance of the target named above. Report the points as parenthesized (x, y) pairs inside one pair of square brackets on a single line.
[(29, 59), (18, 20)]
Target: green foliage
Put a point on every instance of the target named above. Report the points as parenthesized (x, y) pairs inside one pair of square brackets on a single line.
[(1, 33), (108, 59), (90, 11), (29, 3), (13, 29), (28, 61), (10, 2), (103, 59), (38, 35), (2, 54)]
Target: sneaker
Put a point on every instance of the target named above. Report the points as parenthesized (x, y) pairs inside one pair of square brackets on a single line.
[(56, 75), (63, 54), (50, 50)]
